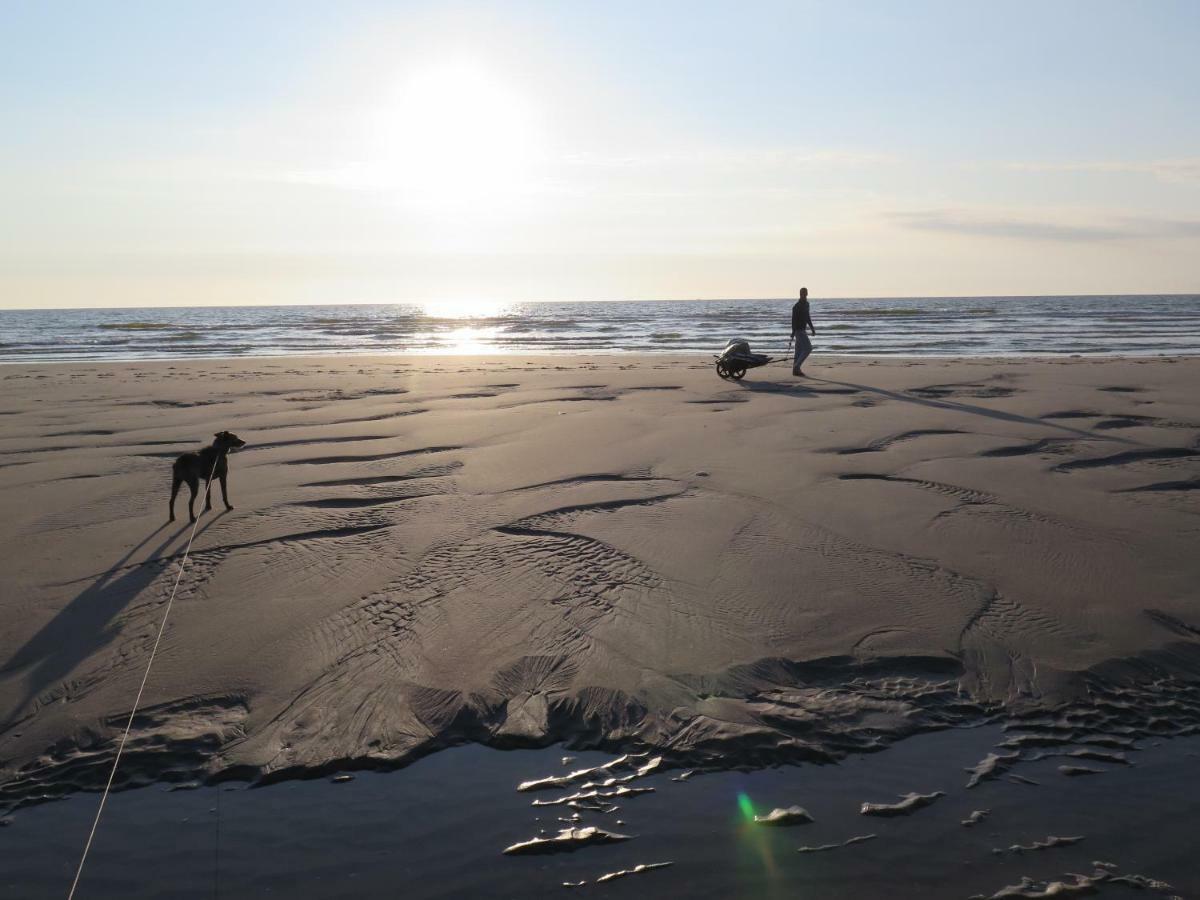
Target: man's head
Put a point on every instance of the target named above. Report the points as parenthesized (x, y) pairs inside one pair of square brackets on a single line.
[(803, 293)]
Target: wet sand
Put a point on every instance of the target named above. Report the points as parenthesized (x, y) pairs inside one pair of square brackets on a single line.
[(626, 554)]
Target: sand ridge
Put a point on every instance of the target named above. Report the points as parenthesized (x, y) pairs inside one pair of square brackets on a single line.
[(612, 551)]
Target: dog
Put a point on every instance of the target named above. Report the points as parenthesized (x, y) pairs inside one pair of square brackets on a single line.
[(211, 462)]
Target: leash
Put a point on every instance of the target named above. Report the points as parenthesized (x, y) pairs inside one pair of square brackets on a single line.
[(217, 852), (145, 676)]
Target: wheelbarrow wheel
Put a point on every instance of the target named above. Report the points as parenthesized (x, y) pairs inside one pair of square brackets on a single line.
[(737, 373), (722, 368)]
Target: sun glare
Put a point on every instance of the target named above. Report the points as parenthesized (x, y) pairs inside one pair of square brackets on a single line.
[(464, 308), (456, 137)]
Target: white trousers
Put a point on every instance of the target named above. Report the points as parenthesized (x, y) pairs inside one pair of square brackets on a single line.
[(803, 349)]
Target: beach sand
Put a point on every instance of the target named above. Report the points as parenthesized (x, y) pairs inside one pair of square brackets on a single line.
[(615, 552)]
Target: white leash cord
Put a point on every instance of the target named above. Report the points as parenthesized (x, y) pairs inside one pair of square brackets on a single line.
[(138, 700)]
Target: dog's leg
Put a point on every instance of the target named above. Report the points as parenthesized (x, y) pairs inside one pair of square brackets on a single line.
[(207, 495), (225, 491), (176, 481), (193, 486)]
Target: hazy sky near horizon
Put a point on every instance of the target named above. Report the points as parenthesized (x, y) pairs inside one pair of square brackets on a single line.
[(298, 152)]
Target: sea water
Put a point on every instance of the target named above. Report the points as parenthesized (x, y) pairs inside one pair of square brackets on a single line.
[(958, 326)]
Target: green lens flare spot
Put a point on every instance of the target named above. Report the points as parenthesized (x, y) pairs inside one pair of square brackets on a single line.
[(746, 806)]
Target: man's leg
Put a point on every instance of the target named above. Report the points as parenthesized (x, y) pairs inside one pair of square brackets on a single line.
[(803, 349)]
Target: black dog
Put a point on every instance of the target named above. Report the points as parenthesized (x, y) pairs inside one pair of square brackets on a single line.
[(210, 462)]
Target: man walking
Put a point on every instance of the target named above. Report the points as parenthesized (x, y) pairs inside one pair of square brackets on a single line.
[(801, 317)]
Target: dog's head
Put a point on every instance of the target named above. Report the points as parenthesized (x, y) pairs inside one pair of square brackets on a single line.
[(228, 441)]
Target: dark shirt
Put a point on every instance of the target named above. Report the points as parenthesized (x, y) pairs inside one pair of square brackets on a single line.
[(801, 317)]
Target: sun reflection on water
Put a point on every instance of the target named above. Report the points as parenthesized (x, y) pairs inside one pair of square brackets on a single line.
[(463, 326), (468, 341), (464, 308)]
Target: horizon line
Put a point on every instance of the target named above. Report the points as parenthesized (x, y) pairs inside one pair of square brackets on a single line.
[(1196, 294)]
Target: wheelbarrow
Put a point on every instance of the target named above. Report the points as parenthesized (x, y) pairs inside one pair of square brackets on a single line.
[(736, 359)]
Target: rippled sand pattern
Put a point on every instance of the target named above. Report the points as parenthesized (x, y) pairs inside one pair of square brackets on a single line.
[(623, 554)]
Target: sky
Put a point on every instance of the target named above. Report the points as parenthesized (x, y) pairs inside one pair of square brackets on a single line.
[(191, 153)]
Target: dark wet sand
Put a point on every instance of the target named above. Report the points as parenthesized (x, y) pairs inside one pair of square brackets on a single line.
[(437, 828)]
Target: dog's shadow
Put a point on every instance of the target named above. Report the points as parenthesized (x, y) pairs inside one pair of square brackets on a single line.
[(85, 625)]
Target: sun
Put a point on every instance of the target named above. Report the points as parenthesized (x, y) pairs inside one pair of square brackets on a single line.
[(456, 137)]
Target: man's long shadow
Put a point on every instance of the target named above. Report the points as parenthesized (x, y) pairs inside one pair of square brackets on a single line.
[(803, 390), (83, 626)]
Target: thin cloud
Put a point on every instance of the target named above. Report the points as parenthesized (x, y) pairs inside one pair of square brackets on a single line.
[(1178, 171), (1016, 227), (730, 158), (764, 164)]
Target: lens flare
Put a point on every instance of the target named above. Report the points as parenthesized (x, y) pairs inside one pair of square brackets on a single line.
[(756, 841), (746, 805)]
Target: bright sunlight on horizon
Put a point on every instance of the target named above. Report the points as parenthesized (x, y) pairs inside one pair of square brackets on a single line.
[(476, 154)]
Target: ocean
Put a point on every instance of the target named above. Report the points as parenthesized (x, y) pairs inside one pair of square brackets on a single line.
[(919, 327)]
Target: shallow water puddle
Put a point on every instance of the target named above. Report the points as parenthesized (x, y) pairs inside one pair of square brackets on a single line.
[(439, 828)]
